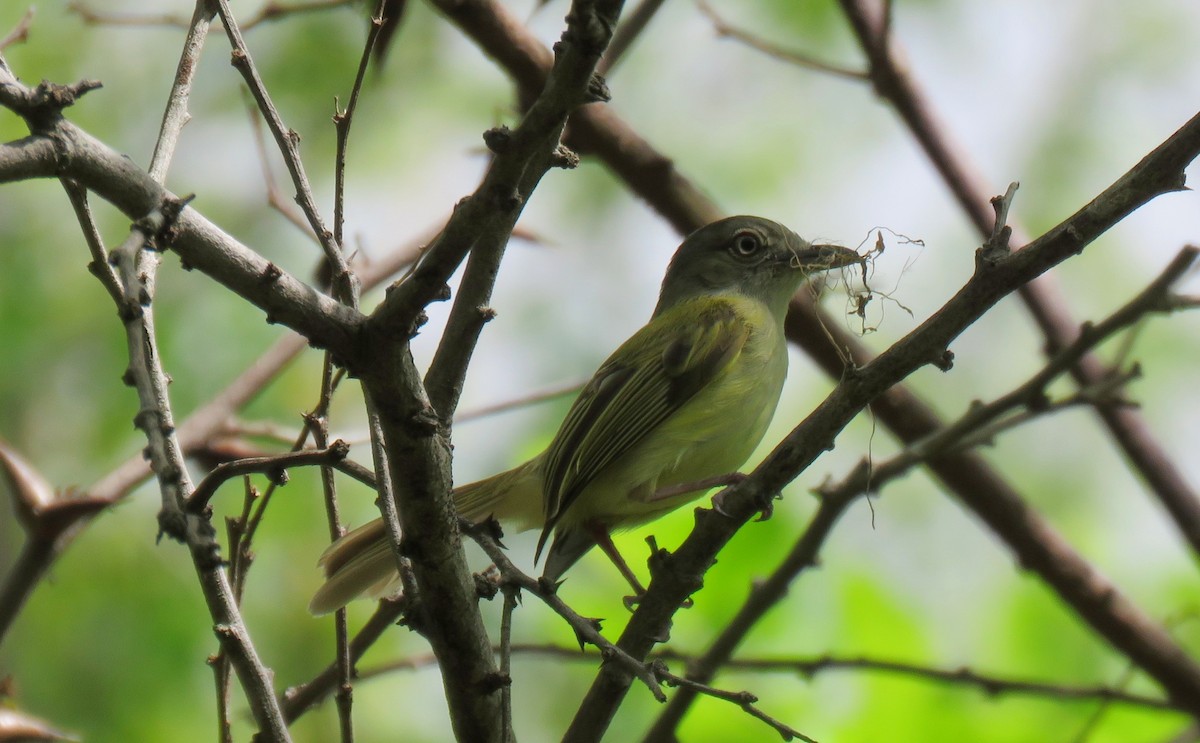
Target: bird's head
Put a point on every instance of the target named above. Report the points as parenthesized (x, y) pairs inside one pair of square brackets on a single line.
[(751, 256)]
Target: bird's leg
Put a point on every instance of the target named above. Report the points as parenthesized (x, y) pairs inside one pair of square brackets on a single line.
[(605, 543), (708, 483)]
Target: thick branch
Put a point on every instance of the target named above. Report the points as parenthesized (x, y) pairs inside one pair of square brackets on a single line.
[(67, 151), (654, 177), (408, 426)]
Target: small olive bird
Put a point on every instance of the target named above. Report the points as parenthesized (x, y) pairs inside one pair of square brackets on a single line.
[(675, 411)]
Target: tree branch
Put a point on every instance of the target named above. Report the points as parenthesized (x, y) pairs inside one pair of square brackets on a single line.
[(893, 81), (59, 149), (1039, 548)]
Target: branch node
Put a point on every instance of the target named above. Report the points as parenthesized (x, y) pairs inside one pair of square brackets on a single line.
[(506, 199), (944, 360), (597, 90), (564, 157), (485, 588), (494, 682), (425, 421), (271, 274), (497, 139)]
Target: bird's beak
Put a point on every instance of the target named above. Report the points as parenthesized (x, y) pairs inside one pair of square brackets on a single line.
[(824, 257)]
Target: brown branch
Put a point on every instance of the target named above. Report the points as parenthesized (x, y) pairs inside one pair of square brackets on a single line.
[(345, 284), (167, 461), (990, 684), (587, 630), (269, 11), (743, 699), (409, 425), (1037, 545), (808, 61), (300, 698), (20, 32), (654, 178), (962, 676), (549, 393), (890, 75), (274, 467), (631, 28)]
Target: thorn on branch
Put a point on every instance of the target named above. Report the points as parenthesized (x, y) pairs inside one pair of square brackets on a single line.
[(945, 361), (597, 90), (485, 587), (548, 587), (564, 157), (497, 139)]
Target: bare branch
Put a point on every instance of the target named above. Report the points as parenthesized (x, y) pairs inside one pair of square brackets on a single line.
[(743, 699), (345, 284), (587, 630), (653, 177), (299, 699), (632, 27), (1039, 548), (891, 76), (274, 467), (799, 59), (270, 11), (20, 32)]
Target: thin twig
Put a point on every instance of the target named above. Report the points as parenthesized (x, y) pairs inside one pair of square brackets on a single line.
[(743, 699), (587, 630), (269, 11), (631, 28), (275, 198), (343, 118), (300, 698), (318, 422), (275, 467), (20, 32), (175, 115), (512, 597), (962, 676), (538, 396), (775, 50), (345, 283), (167, 461), (893, 80)]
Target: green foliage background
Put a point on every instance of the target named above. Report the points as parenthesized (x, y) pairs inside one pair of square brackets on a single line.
[(1062, 97)]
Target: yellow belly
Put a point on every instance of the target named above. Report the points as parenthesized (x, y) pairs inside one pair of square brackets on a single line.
[(714, 434)]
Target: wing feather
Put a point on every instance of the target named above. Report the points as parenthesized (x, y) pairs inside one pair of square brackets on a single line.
[(642, 384)]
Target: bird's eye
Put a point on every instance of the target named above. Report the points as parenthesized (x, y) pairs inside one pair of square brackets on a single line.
[(745, 244)]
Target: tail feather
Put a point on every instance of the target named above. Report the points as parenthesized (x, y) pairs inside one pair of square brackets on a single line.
[(361, 563)]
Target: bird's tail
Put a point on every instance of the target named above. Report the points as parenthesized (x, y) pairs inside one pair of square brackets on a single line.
[(361, 562)]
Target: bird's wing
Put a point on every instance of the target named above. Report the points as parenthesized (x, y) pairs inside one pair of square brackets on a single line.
[(641, 385)]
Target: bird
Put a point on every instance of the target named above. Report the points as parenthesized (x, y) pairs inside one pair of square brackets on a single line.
[(672, 413)]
